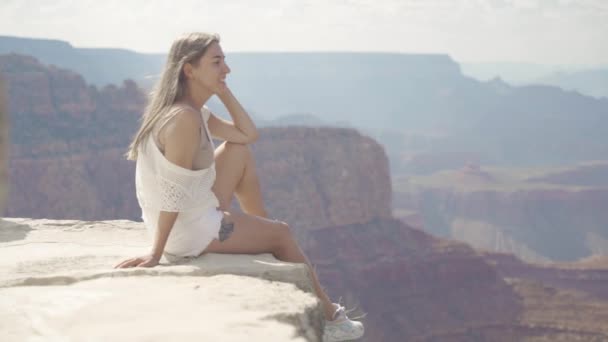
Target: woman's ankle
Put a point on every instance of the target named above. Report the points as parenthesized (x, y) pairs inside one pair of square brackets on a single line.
[(330, 313)]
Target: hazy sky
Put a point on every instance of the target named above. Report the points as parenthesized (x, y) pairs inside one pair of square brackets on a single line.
[(541, 31)]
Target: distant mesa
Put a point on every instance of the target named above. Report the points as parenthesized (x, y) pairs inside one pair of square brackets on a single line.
[(591, 262), (554, 213), (472, 171), (594, 174)]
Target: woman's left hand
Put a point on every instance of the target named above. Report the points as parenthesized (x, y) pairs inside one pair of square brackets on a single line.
[(143, 261)]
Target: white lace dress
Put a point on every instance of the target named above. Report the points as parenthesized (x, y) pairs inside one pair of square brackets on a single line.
[(163, 186)]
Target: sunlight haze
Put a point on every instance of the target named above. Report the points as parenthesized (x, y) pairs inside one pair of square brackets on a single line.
[(533, 31)]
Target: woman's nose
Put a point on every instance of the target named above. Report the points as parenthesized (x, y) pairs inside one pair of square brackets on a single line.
[(227, 68)]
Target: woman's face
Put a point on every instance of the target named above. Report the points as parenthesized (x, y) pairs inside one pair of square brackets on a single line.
[(211, 71)]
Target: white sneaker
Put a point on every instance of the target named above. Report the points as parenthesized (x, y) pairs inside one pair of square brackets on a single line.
[(342, 328)]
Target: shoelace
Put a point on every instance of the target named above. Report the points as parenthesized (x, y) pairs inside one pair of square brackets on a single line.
[(342, 309)]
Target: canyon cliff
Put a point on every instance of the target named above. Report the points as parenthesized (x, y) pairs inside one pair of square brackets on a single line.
[(538, 214), (332, 185)]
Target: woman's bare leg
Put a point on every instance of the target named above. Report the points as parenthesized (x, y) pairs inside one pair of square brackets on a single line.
[(248, 234), (236, 175), (291, 252)]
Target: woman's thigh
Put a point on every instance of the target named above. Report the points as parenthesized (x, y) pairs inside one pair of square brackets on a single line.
[(230, 162), (248, 234)]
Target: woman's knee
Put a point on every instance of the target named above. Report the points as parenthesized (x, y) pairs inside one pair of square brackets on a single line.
[(242, 150)]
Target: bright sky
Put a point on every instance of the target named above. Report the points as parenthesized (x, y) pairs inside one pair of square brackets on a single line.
[(539, 31)]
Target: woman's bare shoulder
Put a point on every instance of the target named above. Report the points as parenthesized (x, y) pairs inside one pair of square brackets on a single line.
[(185, 116), (183, 137), (182, 121)]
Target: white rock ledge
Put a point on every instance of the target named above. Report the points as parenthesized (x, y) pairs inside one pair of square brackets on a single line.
[(57, 283)]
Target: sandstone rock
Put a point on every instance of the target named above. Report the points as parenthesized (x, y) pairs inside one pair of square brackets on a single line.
[(57, 282), (323, 177), (54, 112)]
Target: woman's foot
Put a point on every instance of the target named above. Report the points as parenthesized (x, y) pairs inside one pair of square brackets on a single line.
[(341, 328)]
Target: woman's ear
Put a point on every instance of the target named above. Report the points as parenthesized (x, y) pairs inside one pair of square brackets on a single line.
[(188, 70)]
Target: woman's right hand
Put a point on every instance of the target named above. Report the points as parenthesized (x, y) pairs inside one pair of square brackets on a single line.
[(143, 261)]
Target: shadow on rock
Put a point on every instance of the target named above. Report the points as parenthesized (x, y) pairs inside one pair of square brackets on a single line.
[(13, 231)]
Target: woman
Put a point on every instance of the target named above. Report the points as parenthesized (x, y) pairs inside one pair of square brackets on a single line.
[(184, 202)]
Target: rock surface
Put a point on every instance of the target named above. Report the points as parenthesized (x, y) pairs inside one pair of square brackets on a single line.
[(57, 283), (323, 177)]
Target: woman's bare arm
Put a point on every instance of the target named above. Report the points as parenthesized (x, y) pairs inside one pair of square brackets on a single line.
[(242, 130)]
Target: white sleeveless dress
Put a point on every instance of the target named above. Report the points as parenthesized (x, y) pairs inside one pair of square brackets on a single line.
[(164, 186)]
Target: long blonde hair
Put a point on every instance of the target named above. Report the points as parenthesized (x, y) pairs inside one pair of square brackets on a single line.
[(172, 84)]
